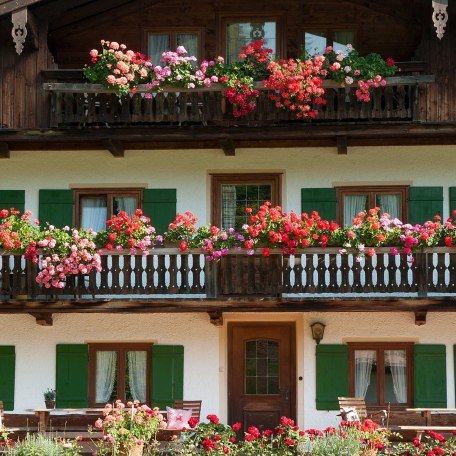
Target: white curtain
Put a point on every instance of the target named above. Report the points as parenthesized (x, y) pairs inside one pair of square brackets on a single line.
[(105, 376), (190, 43), (353, 205), (137, 374), (126, 203), (397, 361), (93, 213), (364, 360), (157, 45), (390, 204), (228, 206)]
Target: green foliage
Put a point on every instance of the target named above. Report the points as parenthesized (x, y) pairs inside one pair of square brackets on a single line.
[(39, 445)]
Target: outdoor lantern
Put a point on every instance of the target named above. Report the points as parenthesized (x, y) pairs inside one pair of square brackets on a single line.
[(318, 330)]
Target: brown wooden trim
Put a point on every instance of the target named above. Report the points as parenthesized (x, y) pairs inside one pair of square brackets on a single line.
[(109, 193), (380, 348), (121, 349), (274, 16), (273, 179), (370, 191)]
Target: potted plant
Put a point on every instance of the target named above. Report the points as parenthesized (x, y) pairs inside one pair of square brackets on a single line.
[(49, 398)]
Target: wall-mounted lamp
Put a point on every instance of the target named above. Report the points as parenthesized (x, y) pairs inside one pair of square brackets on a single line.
[(318, 330)]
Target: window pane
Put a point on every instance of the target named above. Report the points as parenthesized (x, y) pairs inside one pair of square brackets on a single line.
[(390, 204), (315, 42), (353, 205), (127, 204), (342, 38), (240, 34), (366, 375), (190, 43), (94, 213), (396, 376), (157, 45), (262, 367), (106, 377), (136, 376)]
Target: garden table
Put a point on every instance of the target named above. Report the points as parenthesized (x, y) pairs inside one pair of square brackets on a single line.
[(426, 413)]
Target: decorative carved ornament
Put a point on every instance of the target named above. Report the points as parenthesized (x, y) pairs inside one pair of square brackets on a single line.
[(440, 16), (19, 32)]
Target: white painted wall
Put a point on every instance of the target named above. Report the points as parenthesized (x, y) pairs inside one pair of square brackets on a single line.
[(36, 348), (188, 170)]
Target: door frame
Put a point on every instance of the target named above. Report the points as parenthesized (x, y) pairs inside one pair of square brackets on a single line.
[(293, 355)]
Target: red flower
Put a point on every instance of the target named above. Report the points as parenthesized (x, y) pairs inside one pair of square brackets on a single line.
[(390, 61), (236, 426), (213, 419), (193, 421)]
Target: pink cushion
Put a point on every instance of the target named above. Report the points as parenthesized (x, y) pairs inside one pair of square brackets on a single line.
[(177, 418)]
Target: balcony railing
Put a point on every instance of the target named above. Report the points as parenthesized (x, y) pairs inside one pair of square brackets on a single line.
[(80, 104), (170, 273)]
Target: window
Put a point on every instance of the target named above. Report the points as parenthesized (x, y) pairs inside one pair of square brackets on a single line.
[(162, 40), (119, 371), (352, 200), (240, 31), (381, 373), (94, 206), (315, 42), (232, 194)]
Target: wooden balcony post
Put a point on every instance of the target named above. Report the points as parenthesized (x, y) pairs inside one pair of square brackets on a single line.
[(421, 273), (211, 272)]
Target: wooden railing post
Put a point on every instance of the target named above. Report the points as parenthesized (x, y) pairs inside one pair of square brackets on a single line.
[(421, 273), (211, 273)]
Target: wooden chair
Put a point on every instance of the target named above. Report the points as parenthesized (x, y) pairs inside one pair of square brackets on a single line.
[(194, 406), (358, 406)]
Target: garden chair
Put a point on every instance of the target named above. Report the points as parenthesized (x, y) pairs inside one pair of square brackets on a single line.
[(194, 406), (354, 409)]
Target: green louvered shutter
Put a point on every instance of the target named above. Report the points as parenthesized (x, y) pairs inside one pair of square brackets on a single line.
[(7, 375), (322, 200), (430, 388), (12, 199), (72, 375), (167, 375), (160, 206), (452, 200), (56, 207), (332, 375), (424, 203)]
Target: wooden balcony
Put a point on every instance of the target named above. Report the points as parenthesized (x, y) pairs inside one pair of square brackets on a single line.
[(84, 105)]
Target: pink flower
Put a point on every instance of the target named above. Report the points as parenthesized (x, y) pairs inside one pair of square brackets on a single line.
[(181, 50), (93, 53), (111, 79), (114, 45)]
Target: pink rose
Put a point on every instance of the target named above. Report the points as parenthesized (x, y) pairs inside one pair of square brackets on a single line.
[(114, 45)]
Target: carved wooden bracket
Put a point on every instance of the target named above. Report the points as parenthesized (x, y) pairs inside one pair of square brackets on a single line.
[(420, 317), (115, 147), (342, 147), (43, 319), (440, 16), (227, 145), (19, 31), (216, 317), (4, 150)]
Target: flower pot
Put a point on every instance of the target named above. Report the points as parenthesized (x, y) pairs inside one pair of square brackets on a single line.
[(50, 404), (172, 244), (132, 449)]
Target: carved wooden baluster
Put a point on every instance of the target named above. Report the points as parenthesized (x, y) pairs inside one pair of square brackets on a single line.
[(115, 275), (439, 285), (311, 286), (287, 287), (172, 107), (219, 101), (380, 268), (161, 271), (80, 108), (401, 110), (56, 108), (184, 284), (298, 286), (149, 115), (392, 269), (6, 275), (17, 274), (149, 287), (182, 107), (406, 271), (321, 271), (91, 115), (451, 288), (173, 285), (368, 271), (104, 276), (127, 271), (68, 101), (328, 110), (92, 286), (195, 113), (389, 111), (344, 286), (357, 286), (138, 274), (125, 113), (136, 108)]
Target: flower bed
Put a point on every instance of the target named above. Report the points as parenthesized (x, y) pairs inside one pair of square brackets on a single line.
[(295, 84)]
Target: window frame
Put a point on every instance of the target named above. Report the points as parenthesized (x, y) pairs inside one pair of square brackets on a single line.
[(380, 347), (217, 180), (371, 191), (330, 31), (109, 193), (173, 32), (278, 17), (121, 349)]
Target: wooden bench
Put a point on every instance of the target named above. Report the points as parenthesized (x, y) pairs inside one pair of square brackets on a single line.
[(421, 429), (358, 405)]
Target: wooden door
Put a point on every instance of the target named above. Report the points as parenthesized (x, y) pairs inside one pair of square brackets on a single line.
[(261, 373)]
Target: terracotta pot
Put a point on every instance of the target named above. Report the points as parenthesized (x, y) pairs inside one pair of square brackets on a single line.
[(131, 450), (50, 404)]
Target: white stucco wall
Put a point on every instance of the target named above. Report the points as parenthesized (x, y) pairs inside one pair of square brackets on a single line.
[(188, 170)]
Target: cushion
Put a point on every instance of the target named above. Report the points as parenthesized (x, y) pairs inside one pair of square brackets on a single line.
[(178, 418), (349, 414)]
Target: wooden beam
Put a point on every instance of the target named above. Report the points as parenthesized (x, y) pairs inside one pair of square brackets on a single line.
[(9, 6), (115, 147), (342, 148), (43, 319), (420, 317), (4, 150), (216, 318), (227, 145)]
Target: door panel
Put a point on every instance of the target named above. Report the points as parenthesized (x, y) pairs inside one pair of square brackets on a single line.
[(261, 373)]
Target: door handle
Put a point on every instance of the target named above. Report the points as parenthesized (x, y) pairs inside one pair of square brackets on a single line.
[(286, 393)]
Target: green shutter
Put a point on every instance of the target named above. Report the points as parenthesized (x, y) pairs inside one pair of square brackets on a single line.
[(430, 376), (7, 375), (56, 207), (167, 375), (72, 375), (332, 375), (160, 206), (452, 200), (322, 200), (424, 203), (12, 199)]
